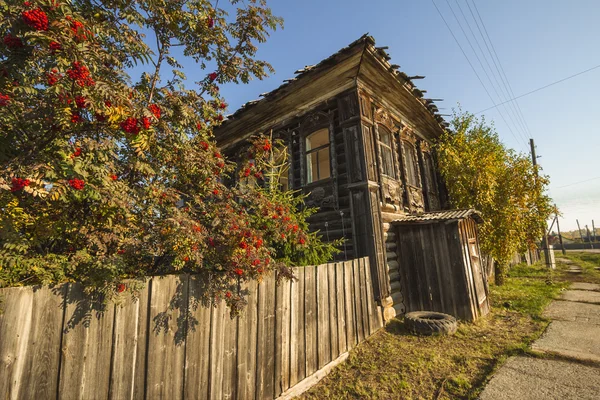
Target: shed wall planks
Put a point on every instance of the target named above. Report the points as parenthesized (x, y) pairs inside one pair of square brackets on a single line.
[(437, 273), (170, 343)]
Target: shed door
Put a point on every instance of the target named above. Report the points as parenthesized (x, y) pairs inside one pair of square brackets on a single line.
[(477, 275)]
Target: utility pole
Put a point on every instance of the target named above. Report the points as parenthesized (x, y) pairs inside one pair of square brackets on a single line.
[(562, 246), (589, 237), (545, 246), (533, 157), (580, 235), (593, 230)]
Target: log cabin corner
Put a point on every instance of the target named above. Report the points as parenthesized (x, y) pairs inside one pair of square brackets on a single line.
[(360, 141)]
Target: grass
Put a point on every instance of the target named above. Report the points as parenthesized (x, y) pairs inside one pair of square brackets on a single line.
[(588, 263), (395, 364)]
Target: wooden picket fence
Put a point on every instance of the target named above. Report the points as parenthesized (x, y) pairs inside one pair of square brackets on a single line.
[(57, 343)]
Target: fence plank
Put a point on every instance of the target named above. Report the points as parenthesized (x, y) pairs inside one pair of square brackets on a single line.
[(197, 348), (139, 376), (358, 306), (341, 307), (248, 324), (129, 347), (86, 346), (265, 359), (333, 313), (349, 309), (310, 311), (30, 334), (323, 336), (297, 338), (282, 339), (230, 355), (166, 338), (217, 349), (370, 299)]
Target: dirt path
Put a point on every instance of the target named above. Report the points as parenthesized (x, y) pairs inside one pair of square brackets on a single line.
[(572, 344)]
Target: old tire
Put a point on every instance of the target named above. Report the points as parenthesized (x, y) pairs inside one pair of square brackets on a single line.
[(430, 323)]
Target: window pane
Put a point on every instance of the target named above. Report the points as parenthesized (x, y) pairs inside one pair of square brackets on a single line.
[(385, 136), (312, 172), (317, 139), (411, 164), (430, 173), (324, 170), (387, 159), (317, 161)]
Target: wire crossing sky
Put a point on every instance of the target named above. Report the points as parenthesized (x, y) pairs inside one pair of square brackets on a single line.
[(511, 61)]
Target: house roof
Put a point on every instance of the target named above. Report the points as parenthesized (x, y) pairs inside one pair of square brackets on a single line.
[(437, 216), (351, 60)]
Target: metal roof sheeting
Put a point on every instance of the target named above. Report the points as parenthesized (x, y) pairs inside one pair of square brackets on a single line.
[(443, 215)]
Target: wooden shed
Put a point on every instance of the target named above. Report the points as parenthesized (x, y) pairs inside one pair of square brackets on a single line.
[(439, 263)]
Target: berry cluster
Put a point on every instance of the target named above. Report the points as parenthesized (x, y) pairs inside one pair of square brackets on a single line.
[(80, 74), (76, 184), (12, 42), (80, 101), (4, 100), (52, 77), (155, 110), (18, 184), (55, 46), (130, 125), (37, 19), (78, 29)]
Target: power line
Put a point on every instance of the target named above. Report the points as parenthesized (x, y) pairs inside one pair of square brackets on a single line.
[(472, 67), (543, 87), (501, 72), (501, 97), (577, 183)]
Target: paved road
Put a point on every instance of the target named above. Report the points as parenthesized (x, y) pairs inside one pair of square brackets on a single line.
[(573, 336)]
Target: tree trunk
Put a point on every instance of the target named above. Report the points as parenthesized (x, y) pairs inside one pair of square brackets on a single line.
[(500, 273)]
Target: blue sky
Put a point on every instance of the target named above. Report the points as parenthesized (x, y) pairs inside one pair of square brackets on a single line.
[(538, 42)]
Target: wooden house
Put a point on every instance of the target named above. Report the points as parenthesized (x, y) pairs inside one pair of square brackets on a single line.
[(359, 136)]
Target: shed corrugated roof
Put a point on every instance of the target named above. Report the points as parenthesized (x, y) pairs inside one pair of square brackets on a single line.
[(443, 215)]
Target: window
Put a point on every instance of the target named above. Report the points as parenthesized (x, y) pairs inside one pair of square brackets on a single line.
[(385, 147), (429, 168), (317, 156), (432, 188), (411, 164)]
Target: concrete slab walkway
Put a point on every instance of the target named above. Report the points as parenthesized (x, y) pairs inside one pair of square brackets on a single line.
[(574, 335)]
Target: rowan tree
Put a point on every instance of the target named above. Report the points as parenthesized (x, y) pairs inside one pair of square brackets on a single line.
[(105, 175), (510, 192)]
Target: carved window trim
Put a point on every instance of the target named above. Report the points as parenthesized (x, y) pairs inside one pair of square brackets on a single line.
[(410, 159)]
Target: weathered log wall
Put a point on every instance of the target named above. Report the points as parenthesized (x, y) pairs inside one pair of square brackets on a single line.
[(58, 343)]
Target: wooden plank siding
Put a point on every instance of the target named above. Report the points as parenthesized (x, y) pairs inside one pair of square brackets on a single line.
[(169, 344), (436, 272)]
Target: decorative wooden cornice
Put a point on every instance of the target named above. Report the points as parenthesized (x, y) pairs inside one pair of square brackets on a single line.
[(409, 135), (315, 121)]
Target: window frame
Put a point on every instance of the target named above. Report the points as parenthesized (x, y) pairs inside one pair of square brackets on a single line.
[(383, 148), (307, 153), (409, 147)]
